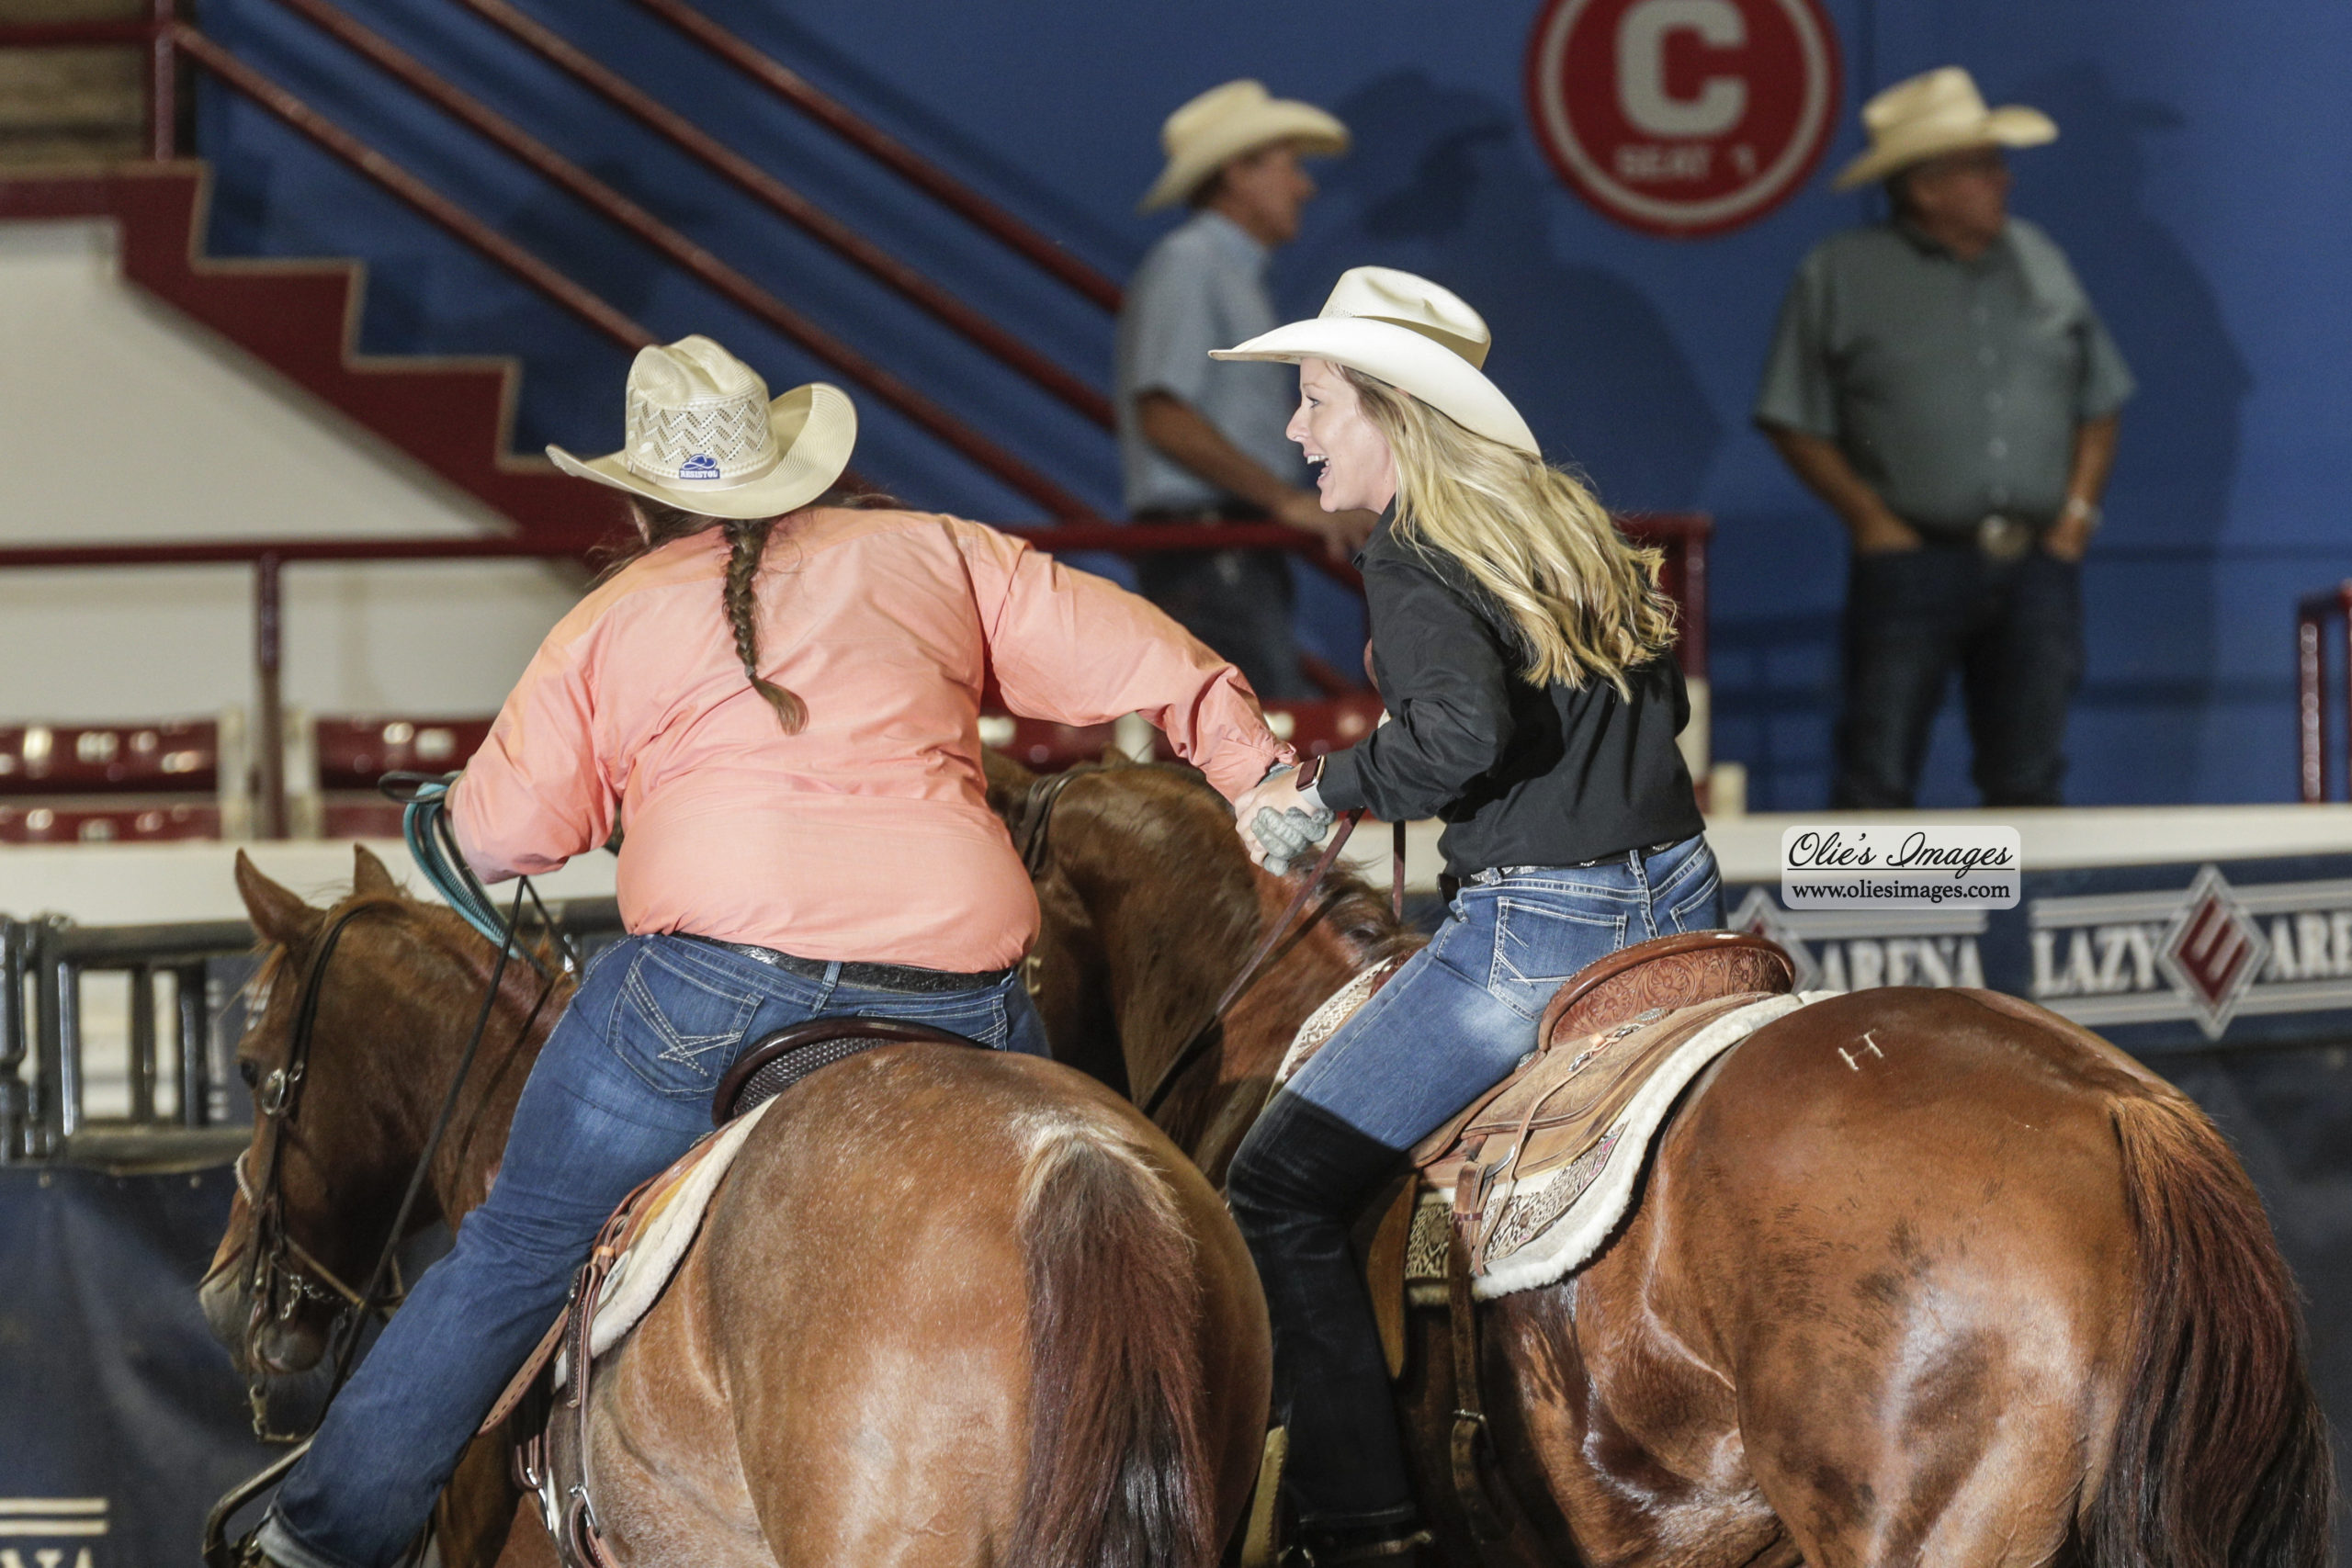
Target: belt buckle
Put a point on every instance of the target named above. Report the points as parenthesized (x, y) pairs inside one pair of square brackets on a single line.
[(2004, 538)]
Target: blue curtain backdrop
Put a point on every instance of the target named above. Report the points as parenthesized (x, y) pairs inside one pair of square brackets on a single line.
[(2197, 187)]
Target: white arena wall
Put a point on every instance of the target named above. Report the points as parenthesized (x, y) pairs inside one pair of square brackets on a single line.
[(122, 421)]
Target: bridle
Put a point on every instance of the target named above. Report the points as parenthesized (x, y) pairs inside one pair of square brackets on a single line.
[(282, 1273)]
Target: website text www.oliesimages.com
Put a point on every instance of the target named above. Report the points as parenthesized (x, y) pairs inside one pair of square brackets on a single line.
[(1916, 892), (1863, 865)]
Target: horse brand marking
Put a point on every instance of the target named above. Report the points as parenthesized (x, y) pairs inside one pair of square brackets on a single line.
[(1868, 1045)]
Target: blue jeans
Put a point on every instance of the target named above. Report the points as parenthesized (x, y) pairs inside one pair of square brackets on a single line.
[(1455, 1020), (2014, 629), (622, 1088)]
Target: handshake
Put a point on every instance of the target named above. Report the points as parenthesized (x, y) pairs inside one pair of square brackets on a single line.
[(1287, 835)]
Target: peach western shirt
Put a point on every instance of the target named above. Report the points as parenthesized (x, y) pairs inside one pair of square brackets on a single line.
[(867, 836)]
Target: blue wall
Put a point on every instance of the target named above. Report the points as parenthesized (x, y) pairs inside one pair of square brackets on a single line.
[(2197, 186)]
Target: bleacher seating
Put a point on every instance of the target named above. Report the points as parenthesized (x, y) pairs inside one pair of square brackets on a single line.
[(102, 782)]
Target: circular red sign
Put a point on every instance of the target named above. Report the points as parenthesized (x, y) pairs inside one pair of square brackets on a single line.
[(1683, 118)]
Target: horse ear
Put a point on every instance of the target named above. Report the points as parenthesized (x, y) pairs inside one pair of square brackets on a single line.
[(368, 873), (1114, 758), (279, 915)]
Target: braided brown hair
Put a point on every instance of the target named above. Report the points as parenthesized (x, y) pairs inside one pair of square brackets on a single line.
[(747, 544)]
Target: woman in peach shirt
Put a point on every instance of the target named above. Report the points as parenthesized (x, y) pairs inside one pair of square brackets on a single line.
[(780, 702)]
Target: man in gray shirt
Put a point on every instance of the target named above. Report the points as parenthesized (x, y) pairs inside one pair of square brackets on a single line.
[(1202, 441), (1941, 381)]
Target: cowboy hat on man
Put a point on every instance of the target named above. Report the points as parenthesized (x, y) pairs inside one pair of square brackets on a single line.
[(1933, 113), (1233, 121)]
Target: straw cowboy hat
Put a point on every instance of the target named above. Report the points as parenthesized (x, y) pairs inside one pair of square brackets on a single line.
[(1934, 114), (1225, 122), (1412, 334), (700, 433)]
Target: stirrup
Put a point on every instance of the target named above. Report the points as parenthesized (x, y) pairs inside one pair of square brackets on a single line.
[(1388, 1551), (246, 1552)]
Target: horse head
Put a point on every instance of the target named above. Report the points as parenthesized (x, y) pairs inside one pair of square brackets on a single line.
[(350, 1027)]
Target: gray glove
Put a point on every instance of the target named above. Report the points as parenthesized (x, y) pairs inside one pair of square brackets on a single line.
[(1289, 836)]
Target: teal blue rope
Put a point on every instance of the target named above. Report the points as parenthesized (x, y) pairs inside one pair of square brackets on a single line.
[(425, 825)]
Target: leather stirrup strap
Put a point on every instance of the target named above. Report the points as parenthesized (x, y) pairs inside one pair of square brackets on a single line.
[(1396, 870), (1501, 1532), (580, 1533)]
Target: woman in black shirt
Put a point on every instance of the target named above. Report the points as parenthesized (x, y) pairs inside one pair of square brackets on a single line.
[(1524, 651)]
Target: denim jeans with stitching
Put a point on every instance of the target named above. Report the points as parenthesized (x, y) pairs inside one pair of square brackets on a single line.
[(622, 1088), (1453, 1022)]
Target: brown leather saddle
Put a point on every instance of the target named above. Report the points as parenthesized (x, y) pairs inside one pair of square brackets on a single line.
[(1633, 985), (546, 1454), (1650, 996)]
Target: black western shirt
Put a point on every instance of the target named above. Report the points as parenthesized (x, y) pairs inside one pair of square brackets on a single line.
[(1521, 774)]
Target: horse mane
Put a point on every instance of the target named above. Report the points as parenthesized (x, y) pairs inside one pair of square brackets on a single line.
[(1164, 831)]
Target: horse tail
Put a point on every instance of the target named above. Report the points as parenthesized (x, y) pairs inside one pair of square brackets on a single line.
[(2220, 1456), (1119, 1472)]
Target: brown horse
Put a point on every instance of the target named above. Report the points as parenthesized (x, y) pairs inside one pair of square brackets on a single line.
[(1988, 1293), (950, 1307)]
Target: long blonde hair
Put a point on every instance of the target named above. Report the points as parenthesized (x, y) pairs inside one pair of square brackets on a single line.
[(1586, 601)]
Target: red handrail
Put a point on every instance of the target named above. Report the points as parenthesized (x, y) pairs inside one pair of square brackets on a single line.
[(888, 388), (556, 286), (1120, 538), (796, 209), (887, 150)]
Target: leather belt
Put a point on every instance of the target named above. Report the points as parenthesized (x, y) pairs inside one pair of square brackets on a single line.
[(868, 977), (1493, 875)]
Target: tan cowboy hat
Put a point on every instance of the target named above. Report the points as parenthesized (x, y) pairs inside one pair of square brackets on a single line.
[(1225, 122), (1412, 334), (701, 435), (1934, 114)]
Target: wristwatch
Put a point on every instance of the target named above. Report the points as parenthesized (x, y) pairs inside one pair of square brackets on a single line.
[(1308, 772)]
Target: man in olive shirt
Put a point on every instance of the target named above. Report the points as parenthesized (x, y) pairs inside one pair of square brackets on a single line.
[(1941, 381)]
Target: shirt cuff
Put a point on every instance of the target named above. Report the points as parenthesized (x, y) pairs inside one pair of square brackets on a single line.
[(1338, 789)]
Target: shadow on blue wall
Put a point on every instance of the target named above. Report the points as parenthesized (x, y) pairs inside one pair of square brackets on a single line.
[(2138, 732), (1440, 184)]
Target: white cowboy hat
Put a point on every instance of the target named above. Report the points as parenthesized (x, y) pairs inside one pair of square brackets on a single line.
[(1412, 334), (1225, 122), (700, 433), (1934, 114)]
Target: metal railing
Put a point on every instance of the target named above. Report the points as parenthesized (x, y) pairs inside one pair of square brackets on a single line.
[(170, 41), (1683, 535), (2314, 615)]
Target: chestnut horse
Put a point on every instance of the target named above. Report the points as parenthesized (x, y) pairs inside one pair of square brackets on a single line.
[(950, 1307), (1976, 1288)]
